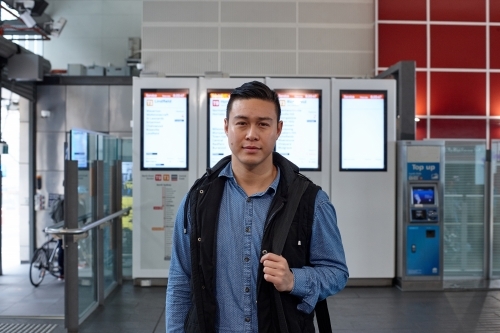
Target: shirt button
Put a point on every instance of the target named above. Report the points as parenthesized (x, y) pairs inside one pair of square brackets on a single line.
[(247, 229), (247, 289), (247, 259), (247, 319), (248, 199)]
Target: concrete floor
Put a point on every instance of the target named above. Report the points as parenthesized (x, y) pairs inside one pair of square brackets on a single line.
[(354, 310)]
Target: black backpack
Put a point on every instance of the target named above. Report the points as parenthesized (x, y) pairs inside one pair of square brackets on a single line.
[(56, 212)]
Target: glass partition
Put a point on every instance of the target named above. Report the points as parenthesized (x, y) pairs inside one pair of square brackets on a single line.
[(495, 181), (127, 189), (110, 149), (464, 208), (87, 212), (97, 155)]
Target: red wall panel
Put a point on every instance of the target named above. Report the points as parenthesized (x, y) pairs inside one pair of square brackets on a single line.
[(421, 93), (421, 129), (402, 10), (458, 128), (454, 93), (495, 94), (494, 10), (394, 44), (458, 10), (495, 47), (495, 129), (455, 46)]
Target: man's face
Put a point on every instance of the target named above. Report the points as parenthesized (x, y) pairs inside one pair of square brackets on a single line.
[(252, 131)]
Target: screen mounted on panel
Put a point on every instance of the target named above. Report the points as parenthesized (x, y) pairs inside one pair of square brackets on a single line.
[(79, 148), (300, 140), (164, 129), (363, 130), (217, 145), (423, 195)]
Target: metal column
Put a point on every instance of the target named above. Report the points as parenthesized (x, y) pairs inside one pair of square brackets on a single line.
[(71, 246)]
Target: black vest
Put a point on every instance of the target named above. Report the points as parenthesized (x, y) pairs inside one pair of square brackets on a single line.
[(206, 194)]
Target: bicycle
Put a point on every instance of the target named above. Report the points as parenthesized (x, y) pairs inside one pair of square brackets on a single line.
[(45, 259)]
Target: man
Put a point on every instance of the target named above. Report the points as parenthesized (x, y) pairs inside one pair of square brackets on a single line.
[(223, 275)]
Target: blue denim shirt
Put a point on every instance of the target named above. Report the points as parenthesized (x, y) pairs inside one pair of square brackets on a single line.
[(239, 236)]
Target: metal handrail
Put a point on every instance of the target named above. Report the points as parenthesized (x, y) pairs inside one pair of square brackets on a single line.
[(62, 231)]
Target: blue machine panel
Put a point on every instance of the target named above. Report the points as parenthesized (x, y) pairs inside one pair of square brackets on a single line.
[(423, 171), (422, 250)]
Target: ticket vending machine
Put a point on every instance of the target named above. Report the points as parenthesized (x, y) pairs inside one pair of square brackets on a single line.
[(420, 215)]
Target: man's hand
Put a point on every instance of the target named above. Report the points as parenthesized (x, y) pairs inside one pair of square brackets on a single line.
[(277, 272)]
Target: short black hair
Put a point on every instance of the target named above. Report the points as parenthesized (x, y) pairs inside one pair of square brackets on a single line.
[(257, 90)]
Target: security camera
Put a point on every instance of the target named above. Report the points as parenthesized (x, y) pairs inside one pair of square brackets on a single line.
[(45, 113)]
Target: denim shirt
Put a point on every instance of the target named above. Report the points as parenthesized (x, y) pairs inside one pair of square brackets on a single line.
[(239, 236)]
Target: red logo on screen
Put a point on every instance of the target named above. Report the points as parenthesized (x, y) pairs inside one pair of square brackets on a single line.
[(215, 102), (158, 178)]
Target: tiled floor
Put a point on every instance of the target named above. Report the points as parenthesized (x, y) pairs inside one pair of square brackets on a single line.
[(362, 310)]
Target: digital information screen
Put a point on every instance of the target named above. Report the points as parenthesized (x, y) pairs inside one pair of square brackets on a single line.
[(218, 146), (300, 140), (79, 148), (423, 195), (164, 132), (363, 128)]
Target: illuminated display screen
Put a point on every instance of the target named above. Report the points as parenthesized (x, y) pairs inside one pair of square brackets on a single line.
[(363, 130), (79, 148), (423, 195), (217, 139), (164, 132), (300, 140)]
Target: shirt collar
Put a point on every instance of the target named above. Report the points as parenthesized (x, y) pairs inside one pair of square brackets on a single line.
[(228, 172)]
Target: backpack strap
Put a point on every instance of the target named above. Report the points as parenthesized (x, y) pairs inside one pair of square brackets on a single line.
[(322, 315), (299, 186)]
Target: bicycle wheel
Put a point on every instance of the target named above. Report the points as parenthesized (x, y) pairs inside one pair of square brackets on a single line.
[(38, 267)]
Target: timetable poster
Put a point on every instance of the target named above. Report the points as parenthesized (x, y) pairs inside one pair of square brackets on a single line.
[(363, 131), (300, 139), (164, 130), (218, 146)]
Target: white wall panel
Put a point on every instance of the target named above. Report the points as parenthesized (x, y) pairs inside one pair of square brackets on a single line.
[(339, 39), (258, 63), (253, 12), (284, 37), (181, 11), (342, 64), (258, 38), (180, 38), (335, 13), (181, 63)]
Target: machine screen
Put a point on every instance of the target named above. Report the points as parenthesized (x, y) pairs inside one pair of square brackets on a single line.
[(217, 139), (300, 140), (164, 132), (423, 195)]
